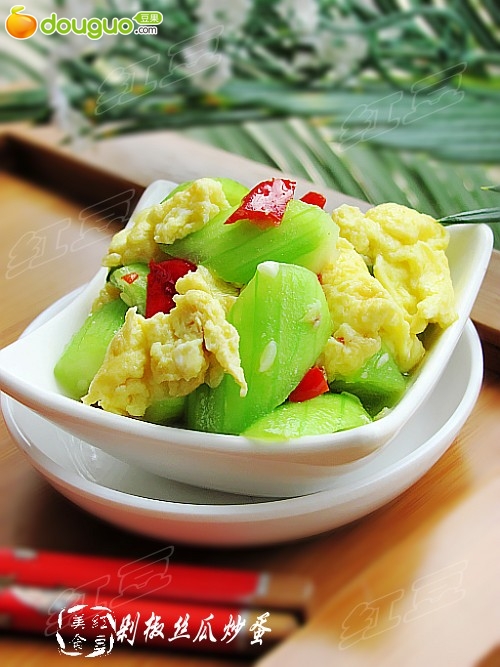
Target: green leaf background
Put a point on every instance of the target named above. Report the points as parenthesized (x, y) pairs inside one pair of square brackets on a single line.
[(387, 100)]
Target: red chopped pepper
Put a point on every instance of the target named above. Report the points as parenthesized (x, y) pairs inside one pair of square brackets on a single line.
[(265, 204), (130, 277), (314, 198), (161, 290), (312, 384)]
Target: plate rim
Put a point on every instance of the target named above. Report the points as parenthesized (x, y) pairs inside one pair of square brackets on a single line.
[(298, 505)]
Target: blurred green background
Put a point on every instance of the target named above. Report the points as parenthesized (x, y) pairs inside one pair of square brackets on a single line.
[(385, 100)]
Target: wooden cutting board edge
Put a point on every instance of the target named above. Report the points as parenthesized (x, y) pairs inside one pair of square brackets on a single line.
[(107, 171)]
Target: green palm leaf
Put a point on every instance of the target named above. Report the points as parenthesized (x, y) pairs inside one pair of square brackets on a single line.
[(439, 188), (414, 118)]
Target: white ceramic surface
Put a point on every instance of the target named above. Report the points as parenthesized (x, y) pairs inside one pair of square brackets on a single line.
[(138, 501), (229, 463)]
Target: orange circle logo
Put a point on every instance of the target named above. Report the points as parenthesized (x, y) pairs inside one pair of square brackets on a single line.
[(20, 25)]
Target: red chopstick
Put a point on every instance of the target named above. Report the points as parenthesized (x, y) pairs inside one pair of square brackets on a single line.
[(155, 576)]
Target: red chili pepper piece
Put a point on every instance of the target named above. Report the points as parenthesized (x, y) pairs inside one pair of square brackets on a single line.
[(161, 290), (265, 204), (130, 277), (312, 384), (314, 198)]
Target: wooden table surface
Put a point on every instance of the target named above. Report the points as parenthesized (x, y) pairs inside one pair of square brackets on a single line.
[(415, 583)]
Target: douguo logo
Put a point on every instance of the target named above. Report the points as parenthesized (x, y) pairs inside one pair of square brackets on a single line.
[(20, 26)]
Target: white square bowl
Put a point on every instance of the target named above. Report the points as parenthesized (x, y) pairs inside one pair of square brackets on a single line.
[(225, 462)]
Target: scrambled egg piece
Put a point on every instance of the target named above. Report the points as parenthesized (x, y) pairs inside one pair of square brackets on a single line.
[(168, 355), (363, 314), (406, 251), (135, 243), (202, 279), (188, 210), (180, 215)]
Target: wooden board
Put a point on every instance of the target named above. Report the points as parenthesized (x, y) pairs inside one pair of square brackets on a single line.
[(95, 172)]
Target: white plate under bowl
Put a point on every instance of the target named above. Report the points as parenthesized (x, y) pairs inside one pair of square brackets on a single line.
[(138, 501), (230, 463)]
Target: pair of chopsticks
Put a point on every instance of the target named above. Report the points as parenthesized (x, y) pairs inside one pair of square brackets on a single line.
[(149, 601)]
